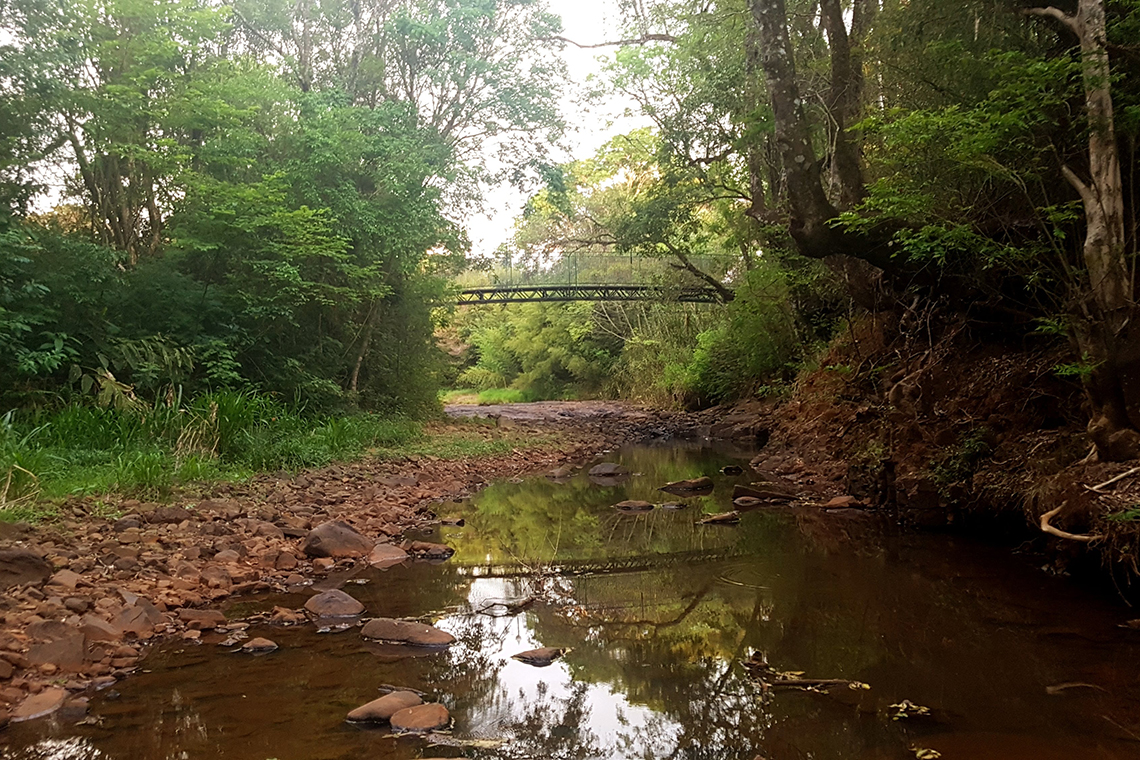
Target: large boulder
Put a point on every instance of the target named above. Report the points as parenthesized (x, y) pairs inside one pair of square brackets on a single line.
[(334, 603), (404, 632), (336, 539), (20, 566), (381, 710), (421, 718)]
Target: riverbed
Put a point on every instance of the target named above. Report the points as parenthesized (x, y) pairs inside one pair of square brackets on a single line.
[(949, 645)]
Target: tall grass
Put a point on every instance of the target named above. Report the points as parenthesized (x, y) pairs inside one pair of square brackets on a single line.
[(81, 449)]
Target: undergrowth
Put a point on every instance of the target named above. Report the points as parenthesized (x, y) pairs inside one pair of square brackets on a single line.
[(82, 449)]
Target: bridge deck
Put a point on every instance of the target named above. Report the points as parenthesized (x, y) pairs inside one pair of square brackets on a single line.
[(566, 293)]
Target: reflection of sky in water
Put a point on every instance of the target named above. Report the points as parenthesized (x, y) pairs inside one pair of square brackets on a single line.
[(74, 748), (609, 722)]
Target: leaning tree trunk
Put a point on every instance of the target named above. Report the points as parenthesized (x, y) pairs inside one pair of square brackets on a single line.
[(1106, 331)]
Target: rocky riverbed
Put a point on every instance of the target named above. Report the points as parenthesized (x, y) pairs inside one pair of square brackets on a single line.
[(87, 594)]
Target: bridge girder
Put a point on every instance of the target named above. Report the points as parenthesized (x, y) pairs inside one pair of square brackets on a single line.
[(567, 293)]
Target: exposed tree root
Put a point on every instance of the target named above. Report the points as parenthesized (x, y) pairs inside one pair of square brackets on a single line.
[(1045, 526)]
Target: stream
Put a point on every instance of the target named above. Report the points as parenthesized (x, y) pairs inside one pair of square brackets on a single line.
[(994, 657)]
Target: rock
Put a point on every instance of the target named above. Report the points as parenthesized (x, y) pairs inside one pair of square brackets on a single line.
[(421, 718), (688, 486), (6, 670), (258, 645), (336, 539), (540, 658), (761, 491), (199, 620), (66, 578), (217, 577), (381, 710), (633, 505), (140, 618), (285, 561), (60, 646), (428, 550), (286, 616), (748, 502), (724, 518), (842, 502), (404, 632), (227, 557), (73, 710), (672, 505), (386, 555), (20, 566), (732, 469), (97, 629), (608, 470), (334, 603), (168, 515), (561, 473), (39, 705)]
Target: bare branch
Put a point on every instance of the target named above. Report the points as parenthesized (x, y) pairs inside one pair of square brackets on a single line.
[(642, 40), (1048, 528), (1056, 13)]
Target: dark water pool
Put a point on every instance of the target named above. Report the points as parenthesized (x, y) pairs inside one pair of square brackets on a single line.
[(659, 613)]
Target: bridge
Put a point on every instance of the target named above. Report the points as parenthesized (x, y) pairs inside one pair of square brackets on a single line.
[(612, 565), (566, 293)]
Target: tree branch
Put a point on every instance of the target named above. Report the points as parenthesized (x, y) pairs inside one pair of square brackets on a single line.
[(642, 40), (1056, 13)]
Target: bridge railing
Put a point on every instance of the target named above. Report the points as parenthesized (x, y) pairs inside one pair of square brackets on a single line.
[(567, 293)]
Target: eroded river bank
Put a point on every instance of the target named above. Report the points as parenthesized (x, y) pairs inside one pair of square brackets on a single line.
[(967, 650)]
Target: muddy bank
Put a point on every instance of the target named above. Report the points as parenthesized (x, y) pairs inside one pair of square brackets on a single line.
[(87, 594), (951, 431)]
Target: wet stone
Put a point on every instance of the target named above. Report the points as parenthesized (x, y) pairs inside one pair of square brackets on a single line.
[(201, 619), (381, 710), (259, 645), (405, 632), (39, 705), (386, 555), (540, 658), (421, 718), (332, 604), (633, 505)]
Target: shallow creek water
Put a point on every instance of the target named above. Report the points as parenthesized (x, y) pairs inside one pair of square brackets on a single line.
[(659, 613)]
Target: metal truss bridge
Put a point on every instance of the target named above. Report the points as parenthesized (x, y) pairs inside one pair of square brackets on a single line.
[(566, 293)]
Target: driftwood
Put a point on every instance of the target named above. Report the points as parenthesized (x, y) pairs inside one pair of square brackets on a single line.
[(1048, 528)]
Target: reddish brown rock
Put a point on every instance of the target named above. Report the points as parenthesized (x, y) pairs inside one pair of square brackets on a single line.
[(540, 658), (336, 539), (428, 550), (421, 718), (39, 705), (334, 603), (633, 505), (95, 629), (20, 566), (405, 632), (381, 710), (386, 555), (259, 645), (201, 619)]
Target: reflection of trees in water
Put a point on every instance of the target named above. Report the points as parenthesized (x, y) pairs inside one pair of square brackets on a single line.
[(550, 726)]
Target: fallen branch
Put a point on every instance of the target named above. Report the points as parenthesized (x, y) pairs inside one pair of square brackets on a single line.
[(1097, 488), (1046, 527)]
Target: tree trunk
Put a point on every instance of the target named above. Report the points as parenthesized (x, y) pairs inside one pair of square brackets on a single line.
[(1106, 333), (844, 103)]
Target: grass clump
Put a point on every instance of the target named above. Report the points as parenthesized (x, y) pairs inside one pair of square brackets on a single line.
[(150, 450)]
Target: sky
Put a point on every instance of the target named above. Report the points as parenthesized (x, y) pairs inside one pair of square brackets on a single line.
[(586, 22)]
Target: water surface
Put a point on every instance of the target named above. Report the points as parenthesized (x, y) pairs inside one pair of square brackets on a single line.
[(659, 614)]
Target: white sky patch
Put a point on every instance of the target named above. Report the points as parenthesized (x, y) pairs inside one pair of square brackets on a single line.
[(590, 125)]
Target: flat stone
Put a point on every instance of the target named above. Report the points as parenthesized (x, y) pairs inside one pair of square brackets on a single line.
[(66, 578), (201, 619), (685, 486), (724, 518), (634, 505), (381, 710), (259, 645), (64, 653), (95, 628), (39, 705), (386, 555), (20, 566), (227, 557), (421, 718), (404, 632), (842, 502), (748, 502), (139, 618), (608, 470), (540, 658), (336, 539), (334, 603), (168, 515), (767, 493)]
